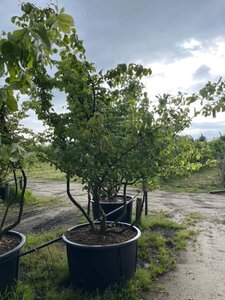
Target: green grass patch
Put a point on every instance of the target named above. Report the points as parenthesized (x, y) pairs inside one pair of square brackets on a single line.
[(160, 220), (44, 274), (44, 170), (182, 238), (202, 181), (193, 218), (30, 200)]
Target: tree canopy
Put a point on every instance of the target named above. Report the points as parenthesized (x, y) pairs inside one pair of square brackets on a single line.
[(111, 133)]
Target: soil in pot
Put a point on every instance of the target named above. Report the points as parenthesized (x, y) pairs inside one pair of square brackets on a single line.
[(109, 205), (8, 243), (104, 263), (114, 236)]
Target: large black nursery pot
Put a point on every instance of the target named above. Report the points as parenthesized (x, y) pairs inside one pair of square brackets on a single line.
[(113, 204), (9, 263), (96, 267)]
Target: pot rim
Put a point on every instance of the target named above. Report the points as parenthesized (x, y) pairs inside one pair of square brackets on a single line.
[(136, 237), (22, 242), (112, 201)]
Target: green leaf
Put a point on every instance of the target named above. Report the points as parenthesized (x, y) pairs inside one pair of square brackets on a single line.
[(8, 50), (19, 33), (16, 84), (3, 96), (64, 28), (4, 153), (27, 7), (13, 19), (11, 102), (2, 67), (42, 32), (14, 159), (66, 19), (30, 62), (20, 149)]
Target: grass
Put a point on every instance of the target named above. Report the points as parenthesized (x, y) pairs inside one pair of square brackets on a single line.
[(29, 197), (193, 218), (203, 181), (44, 274), (30, 200), (44, 170)]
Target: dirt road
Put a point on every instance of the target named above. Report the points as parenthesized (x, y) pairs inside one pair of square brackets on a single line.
[(200, 271)]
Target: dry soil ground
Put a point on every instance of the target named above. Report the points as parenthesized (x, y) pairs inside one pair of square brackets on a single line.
[(200, 271)]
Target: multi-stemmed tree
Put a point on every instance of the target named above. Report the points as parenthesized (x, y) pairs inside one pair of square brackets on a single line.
[(110, 133)]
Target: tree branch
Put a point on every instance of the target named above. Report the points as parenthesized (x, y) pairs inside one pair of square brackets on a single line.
[(77, 204), (21, 205)]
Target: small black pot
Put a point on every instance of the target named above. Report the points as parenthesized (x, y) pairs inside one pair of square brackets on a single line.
[(99, 266), (110, 205), (9, 263)]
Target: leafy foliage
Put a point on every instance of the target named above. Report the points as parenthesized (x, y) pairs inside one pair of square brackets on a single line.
[(111, 133), (25, 57), (221, 168), (211, 97)]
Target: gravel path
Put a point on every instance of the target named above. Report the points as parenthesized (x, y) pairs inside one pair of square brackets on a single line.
[(200, 271)]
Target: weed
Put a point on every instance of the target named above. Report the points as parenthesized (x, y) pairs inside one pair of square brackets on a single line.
[(193, 218), (159, 288), (182, 237), (29, 197), (160, 220)]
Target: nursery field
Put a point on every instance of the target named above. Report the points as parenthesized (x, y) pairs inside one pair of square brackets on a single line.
[(205, 180), (164, 271), (108, 134)]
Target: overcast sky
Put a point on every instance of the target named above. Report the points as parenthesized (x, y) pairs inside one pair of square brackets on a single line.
[(182, 41)]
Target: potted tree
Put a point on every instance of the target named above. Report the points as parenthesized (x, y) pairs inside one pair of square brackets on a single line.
[(95, 140), (109, 135), (25, 56)]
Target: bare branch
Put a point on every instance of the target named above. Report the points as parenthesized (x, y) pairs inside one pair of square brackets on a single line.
[(10, 202), (77, 204), (21, 205)]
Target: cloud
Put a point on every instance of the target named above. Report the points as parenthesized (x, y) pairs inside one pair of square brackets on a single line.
[(33, 123), (210, 127), (129, 30), (191, 44), (123, 31), (189, 73), (202, 73), (182, 41)]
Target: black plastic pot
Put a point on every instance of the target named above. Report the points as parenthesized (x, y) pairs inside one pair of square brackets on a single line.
[(98, 267), (111, 205), (9, 263), (2, 193)]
